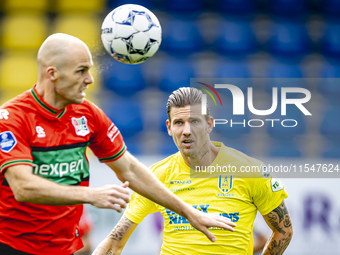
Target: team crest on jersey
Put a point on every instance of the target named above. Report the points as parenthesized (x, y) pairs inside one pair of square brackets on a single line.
[(7, 141), (225, 183), (80, 125)]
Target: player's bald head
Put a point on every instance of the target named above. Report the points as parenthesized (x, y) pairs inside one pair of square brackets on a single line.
[(57, 49)]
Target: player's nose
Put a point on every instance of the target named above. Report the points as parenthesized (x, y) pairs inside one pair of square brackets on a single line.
[(88, 78), (186, 129)]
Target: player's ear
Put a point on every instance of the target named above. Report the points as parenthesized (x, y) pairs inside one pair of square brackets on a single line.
[(210, 124), (52, 73), (168, 127)]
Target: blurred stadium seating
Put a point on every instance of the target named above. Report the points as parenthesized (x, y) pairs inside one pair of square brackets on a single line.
[(23, 5), (220, 38), (123, 79), (235, 38), (232, 6), (288, 38), (288, 6), (330, 129), (175, 73), (182, 37), (83, 26), (79, 6), (23, 30)]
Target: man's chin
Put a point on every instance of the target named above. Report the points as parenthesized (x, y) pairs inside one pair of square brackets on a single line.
[(187, 152), (79, 101)]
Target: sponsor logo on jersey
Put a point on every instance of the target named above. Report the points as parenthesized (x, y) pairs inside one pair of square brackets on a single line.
[(58, 169), (40, 132), (276, 184), (180, 182), (112, 132), (4, 114), (225, 183), (234, 217), (7, 141), (80, 125), (175, 219)]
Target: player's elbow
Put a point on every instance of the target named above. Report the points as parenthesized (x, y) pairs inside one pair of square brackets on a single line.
[(22, 193), (19, 195), (289, 233)]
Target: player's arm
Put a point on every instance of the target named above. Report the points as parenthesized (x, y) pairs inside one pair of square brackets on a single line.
[(28, 187), (145, 183), (279, 221), (115, 242)]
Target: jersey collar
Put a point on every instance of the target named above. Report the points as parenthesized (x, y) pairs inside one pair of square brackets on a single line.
[(51, 111)]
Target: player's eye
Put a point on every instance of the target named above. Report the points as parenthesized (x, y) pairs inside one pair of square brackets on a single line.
[(178, 122), (194, 121), (82, 70)]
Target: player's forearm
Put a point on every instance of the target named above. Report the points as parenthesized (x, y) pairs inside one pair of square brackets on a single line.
[(115, 242), (144, 182), (53, 194), (106, 247), (27, 187), (277, 243), (279, 221)]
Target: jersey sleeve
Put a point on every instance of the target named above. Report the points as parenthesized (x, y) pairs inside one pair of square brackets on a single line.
[(14, 143), (139, 207), (268, 193), (107, 143)]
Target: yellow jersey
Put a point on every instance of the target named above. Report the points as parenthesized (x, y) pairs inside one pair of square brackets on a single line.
[(228, 194)]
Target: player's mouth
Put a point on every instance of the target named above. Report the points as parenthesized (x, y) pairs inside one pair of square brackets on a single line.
[(187, 143), (82, 92)]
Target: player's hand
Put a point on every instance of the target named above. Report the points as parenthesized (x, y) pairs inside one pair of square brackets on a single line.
[(202, 221), (110, 196)]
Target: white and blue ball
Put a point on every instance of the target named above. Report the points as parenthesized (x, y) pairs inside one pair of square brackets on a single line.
[(131, 34)]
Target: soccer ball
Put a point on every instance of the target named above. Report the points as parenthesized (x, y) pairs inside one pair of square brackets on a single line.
[(131, 34)]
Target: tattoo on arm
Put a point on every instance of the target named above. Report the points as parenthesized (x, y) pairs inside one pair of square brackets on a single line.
[(118, 232), (277, 248), (278, 220), (278, 215)]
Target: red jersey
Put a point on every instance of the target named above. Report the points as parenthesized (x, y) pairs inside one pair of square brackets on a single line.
[(85, 223), (53, 142)]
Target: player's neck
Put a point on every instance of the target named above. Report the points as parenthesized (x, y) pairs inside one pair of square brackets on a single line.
[(46, 91), (203, 158)]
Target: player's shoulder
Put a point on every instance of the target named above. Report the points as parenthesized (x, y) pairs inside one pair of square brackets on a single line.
[(161, 167), (88, 105), (238, 156), (19, 101), (87, 108), (248, 166), (18, 106)]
